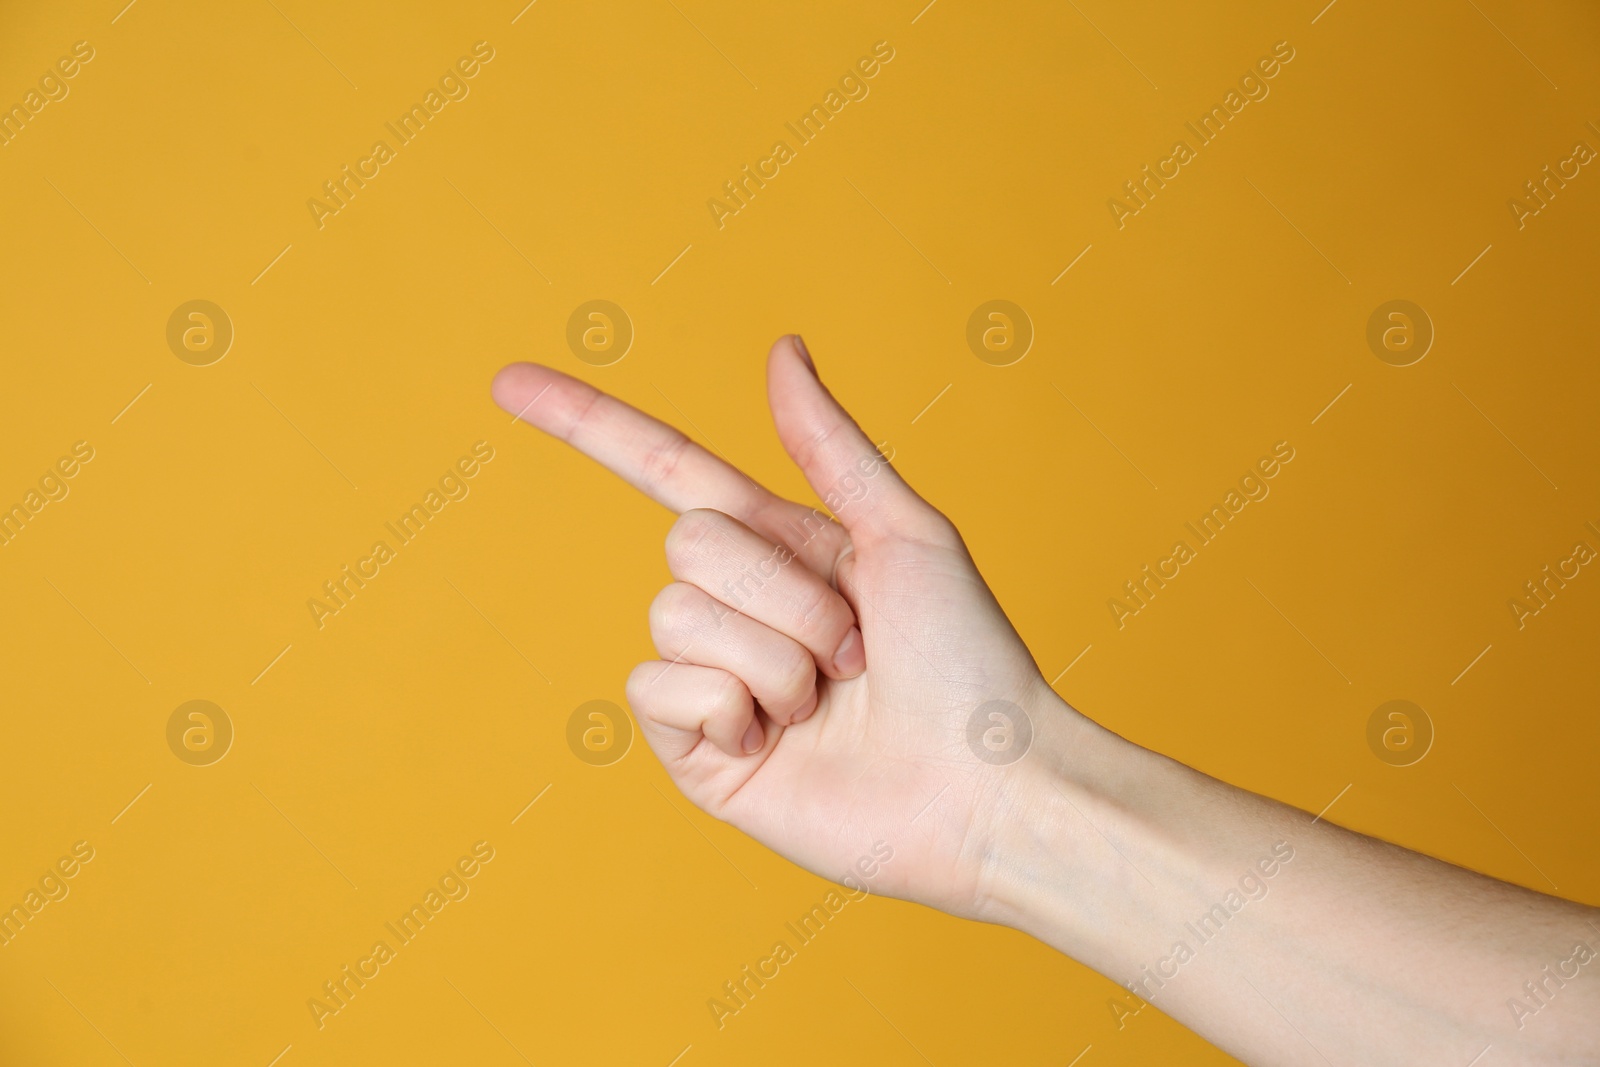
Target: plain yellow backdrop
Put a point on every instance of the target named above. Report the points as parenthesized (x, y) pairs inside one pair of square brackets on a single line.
[(373, 751)]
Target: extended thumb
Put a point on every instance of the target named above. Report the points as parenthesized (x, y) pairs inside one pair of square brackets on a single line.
[(845, 468)]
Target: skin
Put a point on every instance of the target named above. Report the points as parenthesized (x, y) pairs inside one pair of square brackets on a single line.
[(829, 684)]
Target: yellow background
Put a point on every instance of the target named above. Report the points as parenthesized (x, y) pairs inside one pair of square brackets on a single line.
[(1223, 318)]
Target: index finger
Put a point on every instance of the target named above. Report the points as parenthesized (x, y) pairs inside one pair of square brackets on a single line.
[(657, 459)]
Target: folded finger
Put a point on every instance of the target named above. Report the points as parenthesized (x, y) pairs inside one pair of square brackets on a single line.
[(689, 625), (750, 574), (682, 702)]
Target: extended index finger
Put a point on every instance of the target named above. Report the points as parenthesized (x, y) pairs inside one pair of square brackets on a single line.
[(645, 452)]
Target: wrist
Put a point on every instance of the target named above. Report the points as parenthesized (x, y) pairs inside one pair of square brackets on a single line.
[(1071, 854), (1029, 835), (1102, 848)]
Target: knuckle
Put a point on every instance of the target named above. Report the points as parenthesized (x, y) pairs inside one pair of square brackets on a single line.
[(812, 612), (663, 459), (637, 688), (672, 613), (686, 535), (728, 697), (931, 526), (796, 674), (812, 445)]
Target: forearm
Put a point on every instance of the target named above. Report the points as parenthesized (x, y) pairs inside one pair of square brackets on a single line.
[(1282, 939)]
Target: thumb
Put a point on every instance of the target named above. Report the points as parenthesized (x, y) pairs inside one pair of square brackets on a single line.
[(847, 471)]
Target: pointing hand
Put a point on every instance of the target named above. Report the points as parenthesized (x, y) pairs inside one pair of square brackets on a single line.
[(819, 680)]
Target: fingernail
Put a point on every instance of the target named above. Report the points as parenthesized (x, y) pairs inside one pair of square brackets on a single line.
[(850, 658), (805, 353), (754, 738)]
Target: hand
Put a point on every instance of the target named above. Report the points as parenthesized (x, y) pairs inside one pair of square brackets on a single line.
[(819, 679)]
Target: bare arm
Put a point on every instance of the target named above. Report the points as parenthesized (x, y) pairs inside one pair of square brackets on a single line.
[(1280, 938)]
